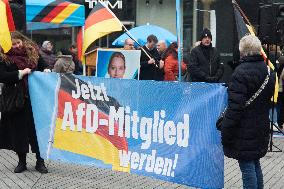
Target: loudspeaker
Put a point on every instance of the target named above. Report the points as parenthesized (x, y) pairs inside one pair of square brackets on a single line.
[(271, 23)]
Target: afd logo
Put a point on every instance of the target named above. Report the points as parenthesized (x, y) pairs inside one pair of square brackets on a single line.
[(117, 4)]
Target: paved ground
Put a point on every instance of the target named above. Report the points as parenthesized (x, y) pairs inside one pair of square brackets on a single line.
[(71, 176)]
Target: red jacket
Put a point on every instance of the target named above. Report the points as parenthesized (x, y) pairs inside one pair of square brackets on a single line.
[(171, 68)]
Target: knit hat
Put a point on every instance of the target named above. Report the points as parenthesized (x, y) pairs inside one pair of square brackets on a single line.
[(44, 44), (205, 33)]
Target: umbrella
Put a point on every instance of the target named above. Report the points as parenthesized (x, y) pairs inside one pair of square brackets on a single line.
[(141, 33)]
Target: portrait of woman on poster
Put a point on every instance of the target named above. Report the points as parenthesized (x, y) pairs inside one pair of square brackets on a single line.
[(116, 67)]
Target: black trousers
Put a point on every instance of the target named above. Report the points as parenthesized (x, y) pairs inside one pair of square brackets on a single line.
[(31, 138)]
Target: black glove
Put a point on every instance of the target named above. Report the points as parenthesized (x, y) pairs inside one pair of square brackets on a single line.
[(211, 79), (225, 84)]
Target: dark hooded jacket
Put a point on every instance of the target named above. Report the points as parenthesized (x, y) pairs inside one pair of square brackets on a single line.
[(245, 130), (150, 71), (48, 57)]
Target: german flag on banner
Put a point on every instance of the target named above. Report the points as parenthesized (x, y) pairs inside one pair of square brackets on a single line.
[(99, 145), (56, 13), (244, 27), (100, 22)]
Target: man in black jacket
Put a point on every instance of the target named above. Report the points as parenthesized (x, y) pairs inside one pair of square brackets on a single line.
[(204, 61), (151, 68)]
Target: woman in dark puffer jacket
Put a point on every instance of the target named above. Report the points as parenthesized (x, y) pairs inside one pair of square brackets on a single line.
[(245, 130)]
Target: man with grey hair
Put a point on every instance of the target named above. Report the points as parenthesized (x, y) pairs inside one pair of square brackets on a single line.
[(245, 127), (128, 44), (161, 47)]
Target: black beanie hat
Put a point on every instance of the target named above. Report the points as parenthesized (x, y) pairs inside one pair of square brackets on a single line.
[(205, 33)]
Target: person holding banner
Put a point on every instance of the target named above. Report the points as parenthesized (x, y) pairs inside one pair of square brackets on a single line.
[(17, 129), (116, 66), (245, 127), (204, 61)]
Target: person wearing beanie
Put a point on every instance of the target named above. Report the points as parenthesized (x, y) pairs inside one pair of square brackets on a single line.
[(204, 61), (46, 53)]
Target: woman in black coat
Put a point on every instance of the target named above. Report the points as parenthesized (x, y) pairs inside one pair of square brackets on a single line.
[(17, 129), (245, 129)]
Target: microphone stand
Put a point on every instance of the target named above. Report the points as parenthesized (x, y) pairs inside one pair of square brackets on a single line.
[(272, 124)]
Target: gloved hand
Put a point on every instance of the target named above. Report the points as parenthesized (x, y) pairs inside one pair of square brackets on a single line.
[(225, 84), (211, 79)]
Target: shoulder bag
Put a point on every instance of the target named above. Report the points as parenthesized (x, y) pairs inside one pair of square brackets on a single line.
[(12, 98), (256, 94)]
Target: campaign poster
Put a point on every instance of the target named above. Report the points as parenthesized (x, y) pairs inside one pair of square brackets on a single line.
[(118, 63)]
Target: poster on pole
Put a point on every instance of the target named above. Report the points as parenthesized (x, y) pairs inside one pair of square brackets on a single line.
[(118, 63)]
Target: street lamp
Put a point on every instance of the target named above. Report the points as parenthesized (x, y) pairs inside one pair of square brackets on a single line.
[(147, 2)]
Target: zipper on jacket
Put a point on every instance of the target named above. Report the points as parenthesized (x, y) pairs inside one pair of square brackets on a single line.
[(210, 68), (210, 59)]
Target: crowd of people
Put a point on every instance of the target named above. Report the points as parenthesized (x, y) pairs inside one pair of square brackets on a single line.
[(159, 61), (245, 128), (65, 61)]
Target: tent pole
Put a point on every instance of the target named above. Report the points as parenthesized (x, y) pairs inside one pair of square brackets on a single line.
[(84, 59), (179, 36)]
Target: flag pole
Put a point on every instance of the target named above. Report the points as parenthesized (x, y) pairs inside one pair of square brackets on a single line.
[(243, 14), (129, 34), (84, 59), (179, 36), (53, 123)]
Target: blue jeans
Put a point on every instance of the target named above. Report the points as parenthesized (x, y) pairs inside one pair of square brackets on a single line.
[(251, 174)]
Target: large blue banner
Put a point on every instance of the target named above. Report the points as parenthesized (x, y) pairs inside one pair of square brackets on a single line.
[(165, 130)]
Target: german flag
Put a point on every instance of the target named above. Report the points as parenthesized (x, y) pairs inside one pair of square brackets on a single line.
[(5, 37), (245, 27), (100, 22), (79, 41), (10, 19), (99, 145), (56, 12)]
